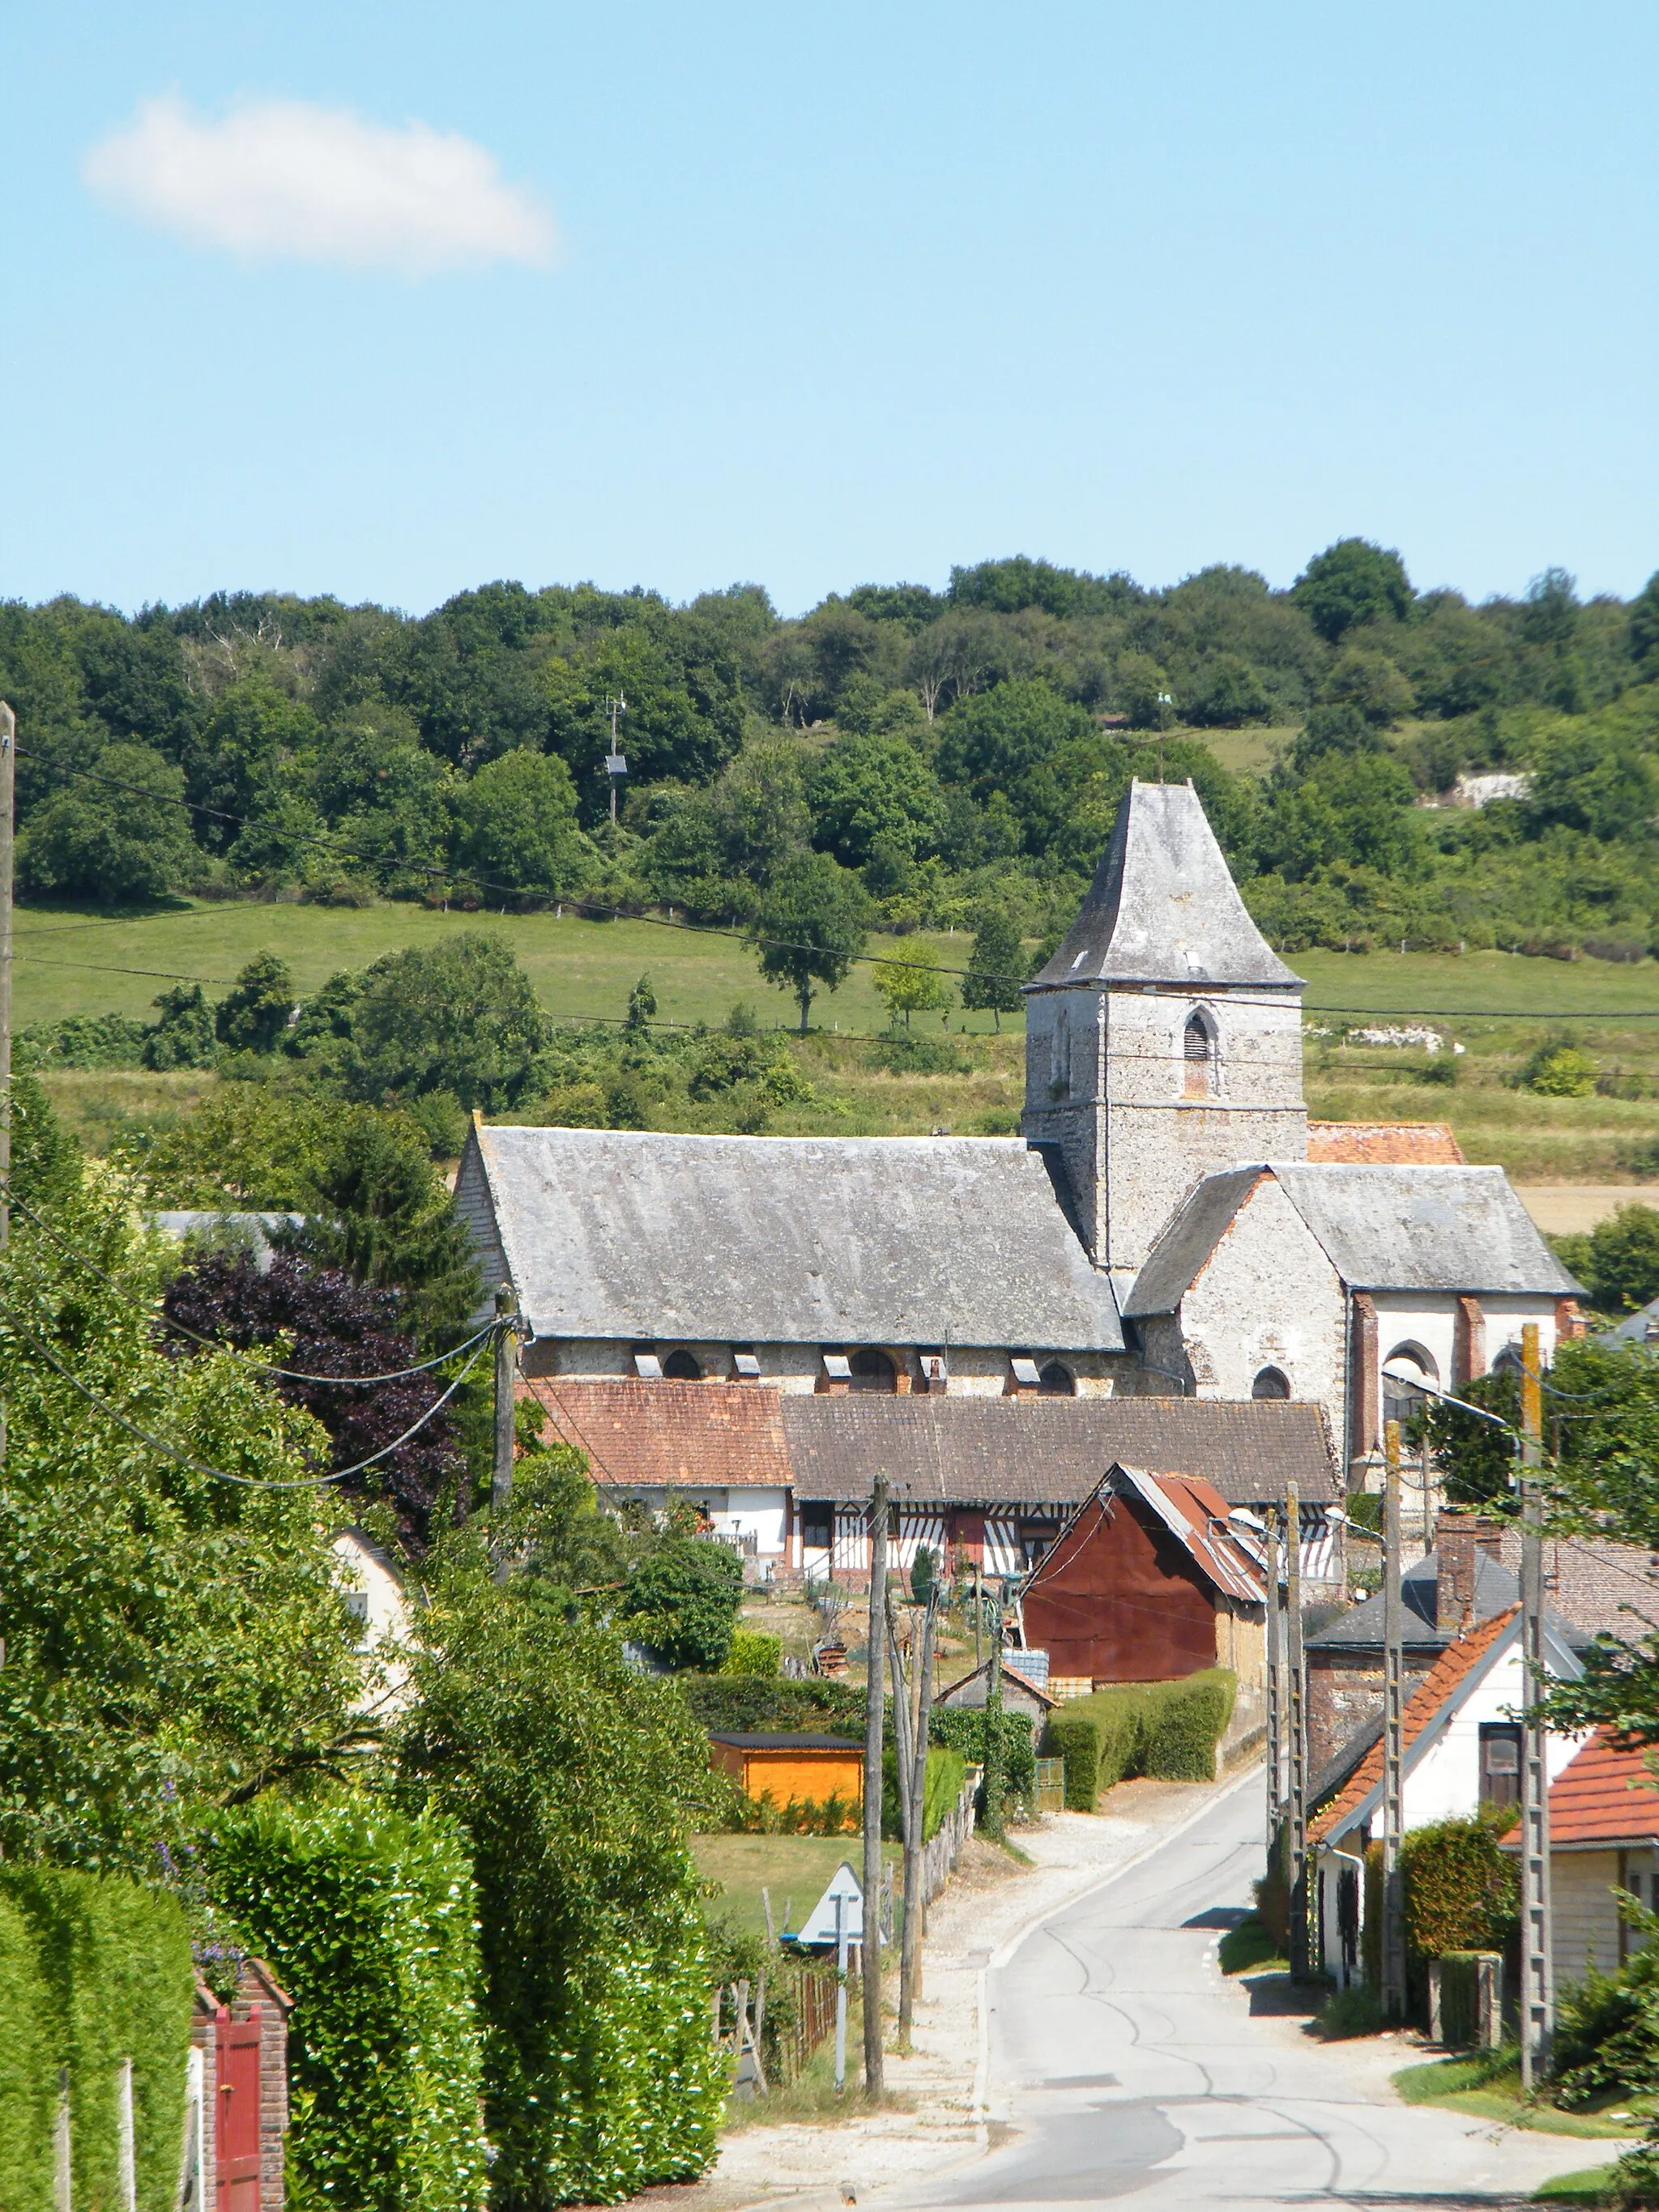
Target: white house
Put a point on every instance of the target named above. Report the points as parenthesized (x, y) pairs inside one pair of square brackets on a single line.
[(377, 1599)]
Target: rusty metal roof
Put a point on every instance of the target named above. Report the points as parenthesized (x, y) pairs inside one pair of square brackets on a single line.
[(1195, 1514)]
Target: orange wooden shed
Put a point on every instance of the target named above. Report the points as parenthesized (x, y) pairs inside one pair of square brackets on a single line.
[(808, 1769)]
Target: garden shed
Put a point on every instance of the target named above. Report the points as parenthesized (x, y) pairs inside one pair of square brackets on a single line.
[(808, 1770)]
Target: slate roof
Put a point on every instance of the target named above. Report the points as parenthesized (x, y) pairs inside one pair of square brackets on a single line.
[(1450, 1672), (1163, 907), (1414, 1228), (1360, 1628), (1604, 1796), (1640, 1327), (658, 1435), (1385, 1144), (971, 1451), (1602, 1589), (632, 1234)]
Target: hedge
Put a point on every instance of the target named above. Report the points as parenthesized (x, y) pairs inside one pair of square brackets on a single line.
[(961, 1728), (1460, 1892), (754, 1654), (744, 1704), (1169, 1729), (368, 1916), (946, 1773), (92, 1970)]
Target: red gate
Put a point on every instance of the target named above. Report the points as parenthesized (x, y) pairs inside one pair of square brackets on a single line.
[(241, 2044)]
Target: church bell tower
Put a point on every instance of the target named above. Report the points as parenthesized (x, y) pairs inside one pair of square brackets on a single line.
[(1163, 1040)]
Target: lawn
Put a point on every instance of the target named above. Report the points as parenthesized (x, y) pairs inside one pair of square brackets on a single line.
[(795, 1870), (1586, 2185), (1487, 2091)]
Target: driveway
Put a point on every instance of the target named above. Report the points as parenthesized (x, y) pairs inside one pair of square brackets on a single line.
[(1128, 2067)]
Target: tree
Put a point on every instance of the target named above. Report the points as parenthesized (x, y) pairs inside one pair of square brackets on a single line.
[(183, 1036), (1644, 627), (1372, 683), (871, 790), (515, 825), (641, 1007), (1618, 1263), (379, 1209), (994, 965), (324, 1323), (126, 838), (171, 1637), (908, 986), (1354, 581), (810, 928), (990, 741), (458, 1016), (253, 1015), (1231, 692), (682, 1600)]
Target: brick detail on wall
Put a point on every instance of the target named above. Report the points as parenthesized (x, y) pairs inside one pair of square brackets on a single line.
[(1468, 1342), (1364, 1410)]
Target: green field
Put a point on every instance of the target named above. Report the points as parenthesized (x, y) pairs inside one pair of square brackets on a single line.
[(793, 1869), (72, 962)]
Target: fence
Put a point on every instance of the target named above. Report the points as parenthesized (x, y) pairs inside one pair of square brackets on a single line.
[(1049, 1794), (940, 1853), (771, 2048)]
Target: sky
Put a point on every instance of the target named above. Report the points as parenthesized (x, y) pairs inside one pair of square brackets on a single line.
[(389, 301)]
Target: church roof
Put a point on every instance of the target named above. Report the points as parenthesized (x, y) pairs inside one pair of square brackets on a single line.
[(1385, 1144), (1163, 907), (1413, 1228), (635, 1234)]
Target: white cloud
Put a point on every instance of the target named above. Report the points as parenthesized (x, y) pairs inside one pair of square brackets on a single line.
[(281, 179)]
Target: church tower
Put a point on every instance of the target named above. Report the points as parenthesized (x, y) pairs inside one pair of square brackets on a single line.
[(1163, 1040)]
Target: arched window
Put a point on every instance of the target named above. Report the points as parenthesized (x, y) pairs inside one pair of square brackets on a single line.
[(1198, 1056), (873, 1371), (1401, 1403), (1271, 1383), (682, 1367), (1055, 1380)]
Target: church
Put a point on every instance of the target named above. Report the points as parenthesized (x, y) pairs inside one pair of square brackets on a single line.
[(1162, 1227)]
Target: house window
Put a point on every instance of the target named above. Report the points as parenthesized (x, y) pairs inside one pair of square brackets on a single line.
[(873, 1371), (1271, 1383), (1198, 1049), (1400, 1401), (1500, 1763), (1056, 1381), (817, 1525), (682, 1367)]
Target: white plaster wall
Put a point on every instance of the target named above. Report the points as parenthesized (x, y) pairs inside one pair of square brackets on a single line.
[(387, 1627), (1429, 1318), (1444, 1783), (1267, 1297), (762, 1514)]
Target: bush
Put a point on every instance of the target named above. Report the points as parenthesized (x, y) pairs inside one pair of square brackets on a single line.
[(82, 1041), (961, 1728), (754, 1654), (1169, 1729), (1459, 1891), (682, 1601), (947, 1770), (1606, 2031), (749, 1705), (92, 1970), (366, 1915), (1557, 1069)]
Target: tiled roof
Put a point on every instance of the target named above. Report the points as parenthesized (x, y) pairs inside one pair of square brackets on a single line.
[(664, 1433), (1457, 1661), (1360, 1628), (1385, 1144), (1604, 1795), (971, 1451), (1602, 1589)]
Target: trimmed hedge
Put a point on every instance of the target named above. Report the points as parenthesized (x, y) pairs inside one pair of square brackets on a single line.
[(745, 1704), (1169, 1729), (92, 1970), (1460, 1892), (961, 1728), (366, 1915), (947, 1770)]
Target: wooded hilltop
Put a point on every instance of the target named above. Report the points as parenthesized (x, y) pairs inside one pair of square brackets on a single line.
[(906, 757)]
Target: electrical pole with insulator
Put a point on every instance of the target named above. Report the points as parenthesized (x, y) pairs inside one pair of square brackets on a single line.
[(1296, 1731), (615, 761), (870, 1946), (1275, 1625), (1537, 1991), (507, 1350), (1394, 1743)]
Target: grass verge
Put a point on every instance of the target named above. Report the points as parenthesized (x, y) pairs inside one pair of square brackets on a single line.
[(1248, 1946), (793, 1870), (1488, 2087), (1586, 2185)]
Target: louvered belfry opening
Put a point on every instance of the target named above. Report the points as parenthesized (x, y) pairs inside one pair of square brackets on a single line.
[(1199, 1049)]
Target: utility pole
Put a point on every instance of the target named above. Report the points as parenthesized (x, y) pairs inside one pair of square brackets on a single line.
[(1394, 1636), (7, 779), (991, 1738), (870, 1951), (507, 1349), (615, 761), (1275, 1638), (1301, 1965), (1537, 1973), (915, 1837)]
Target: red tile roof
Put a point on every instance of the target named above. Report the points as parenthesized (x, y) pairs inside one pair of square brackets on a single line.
[(1385, 1144), (666, 1434), (1604, 1795), (1454, 1663)]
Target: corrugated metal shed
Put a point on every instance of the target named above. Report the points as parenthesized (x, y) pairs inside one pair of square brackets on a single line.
[(1163, 907), (984, 1451), (1415, 1227), (866, 1240), (1195, 1514)]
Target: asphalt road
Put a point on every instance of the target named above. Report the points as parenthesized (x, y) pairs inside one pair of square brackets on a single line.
[(1130, 2067)]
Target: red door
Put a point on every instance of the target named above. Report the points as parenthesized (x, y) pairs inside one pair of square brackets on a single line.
[(239, 2042)]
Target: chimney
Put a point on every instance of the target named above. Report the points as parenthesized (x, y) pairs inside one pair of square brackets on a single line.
[(1460, 1539)]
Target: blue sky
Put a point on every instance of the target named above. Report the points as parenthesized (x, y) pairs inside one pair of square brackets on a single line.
[(838, 295)]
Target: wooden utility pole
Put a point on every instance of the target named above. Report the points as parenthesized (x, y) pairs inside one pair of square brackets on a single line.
[(993, 1726), (1393, 1709), (1297, 1729), (870, 1949), (915, 1834), (1537, 1973), (1275, 1640), (8, 781), (506, 1360)]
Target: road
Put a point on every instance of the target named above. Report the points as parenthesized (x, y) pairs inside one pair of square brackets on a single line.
[(1128, 2066)]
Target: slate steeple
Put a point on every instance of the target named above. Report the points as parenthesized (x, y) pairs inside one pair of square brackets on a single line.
[(1163, 1040)]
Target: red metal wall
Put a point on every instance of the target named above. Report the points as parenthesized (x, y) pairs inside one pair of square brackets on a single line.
[(1119, 1600)]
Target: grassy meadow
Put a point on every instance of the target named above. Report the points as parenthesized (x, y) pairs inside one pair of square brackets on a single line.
[(1497, 1005)]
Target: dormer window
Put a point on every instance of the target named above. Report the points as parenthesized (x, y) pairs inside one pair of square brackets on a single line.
[(1199, 1056)]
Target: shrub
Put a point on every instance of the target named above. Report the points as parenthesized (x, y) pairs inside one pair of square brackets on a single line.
[(92, 1970), (754, 1654), (368, 1916), (946, 1771), (1606, 2033), (962, 1729), (1458, 1891), (747, 1704), (1169, 1729), (1557, 1069), (682, 1600)]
